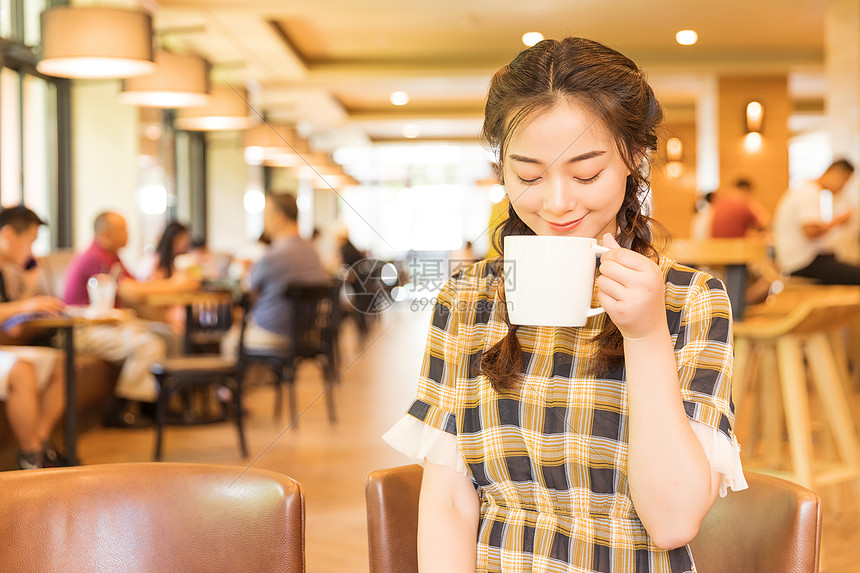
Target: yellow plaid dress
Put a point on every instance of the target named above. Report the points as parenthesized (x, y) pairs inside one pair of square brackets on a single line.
[(549, 461)]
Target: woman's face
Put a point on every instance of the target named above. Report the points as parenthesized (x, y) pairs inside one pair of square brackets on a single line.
[(181, 242), (563, 174)]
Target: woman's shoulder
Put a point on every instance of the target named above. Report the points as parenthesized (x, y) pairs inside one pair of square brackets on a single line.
[(482, 276), (684, 283)]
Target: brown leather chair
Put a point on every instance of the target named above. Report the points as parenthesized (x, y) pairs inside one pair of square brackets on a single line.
[(392, 518), (151, 517), (775, 525)]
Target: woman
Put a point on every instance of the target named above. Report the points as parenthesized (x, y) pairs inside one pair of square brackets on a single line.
[(174, 241), (598, 448)]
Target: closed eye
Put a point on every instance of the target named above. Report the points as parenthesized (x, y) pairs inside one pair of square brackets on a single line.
[(528, 181), (589, 179)]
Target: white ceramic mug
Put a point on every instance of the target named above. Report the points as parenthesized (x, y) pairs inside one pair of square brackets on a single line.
[(549, 281), (101, 289)]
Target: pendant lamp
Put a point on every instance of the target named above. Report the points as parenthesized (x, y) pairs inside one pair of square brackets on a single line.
[(227, 110), (179, 81), (274, 145), (95, 42)]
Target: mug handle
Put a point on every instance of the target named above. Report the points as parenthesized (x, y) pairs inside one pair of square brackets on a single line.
[(598, 250)]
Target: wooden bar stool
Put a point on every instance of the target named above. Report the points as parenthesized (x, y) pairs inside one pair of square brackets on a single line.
[(800, 329)]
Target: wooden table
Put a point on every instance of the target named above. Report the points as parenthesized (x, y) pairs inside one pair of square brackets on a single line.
[(66, 323), (733, 255), (189, 300)]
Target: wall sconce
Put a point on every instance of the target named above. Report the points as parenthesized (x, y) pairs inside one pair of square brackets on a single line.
[(674, 169), (674, 154), (754, 116), (674, 149), (752, 142)]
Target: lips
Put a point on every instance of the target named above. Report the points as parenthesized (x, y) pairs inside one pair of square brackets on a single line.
[(565, 227)]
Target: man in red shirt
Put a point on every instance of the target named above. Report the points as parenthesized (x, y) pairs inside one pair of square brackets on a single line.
[(136, 344), (735, 212)]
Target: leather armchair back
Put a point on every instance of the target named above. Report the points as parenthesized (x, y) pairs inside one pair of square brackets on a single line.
[(151, 517), (775, 525)]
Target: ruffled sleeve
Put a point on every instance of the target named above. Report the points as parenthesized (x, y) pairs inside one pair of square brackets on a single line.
[(724, 456), (421, 442), (429, 428)]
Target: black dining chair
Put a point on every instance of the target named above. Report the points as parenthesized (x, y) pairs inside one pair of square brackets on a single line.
[(178, 375), (315, 318)]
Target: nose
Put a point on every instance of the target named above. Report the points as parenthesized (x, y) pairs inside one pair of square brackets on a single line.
[(558, 197)]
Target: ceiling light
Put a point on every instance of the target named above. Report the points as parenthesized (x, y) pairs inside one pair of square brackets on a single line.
[(686, 37), (92, 42), (254, 155), (227, 110), (532, 38), (178, 81), (153, 199), (254, 200), (411, 131), (399, 98)]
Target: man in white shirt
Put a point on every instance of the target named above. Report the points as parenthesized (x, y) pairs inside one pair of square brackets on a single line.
[(805, 234)]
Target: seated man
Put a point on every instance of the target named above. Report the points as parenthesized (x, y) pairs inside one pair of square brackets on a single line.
[(806, 235), (32, 379), (289, 259), (137, 343)]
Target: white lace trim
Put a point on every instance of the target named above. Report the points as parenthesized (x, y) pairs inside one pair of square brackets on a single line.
[(419, 441), (723, 454)]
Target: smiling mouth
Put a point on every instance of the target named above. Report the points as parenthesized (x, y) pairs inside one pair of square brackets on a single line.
[(569, 226)]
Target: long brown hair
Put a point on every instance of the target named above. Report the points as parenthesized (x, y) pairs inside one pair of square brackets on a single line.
[(609, 85)]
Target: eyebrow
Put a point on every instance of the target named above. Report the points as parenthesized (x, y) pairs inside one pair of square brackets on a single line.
[(583, 157)]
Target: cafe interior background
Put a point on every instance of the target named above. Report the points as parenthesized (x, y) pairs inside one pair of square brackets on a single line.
[(370, 113)]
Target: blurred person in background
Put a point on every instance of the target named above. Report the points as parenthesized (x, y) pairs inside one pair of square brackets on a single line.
[(288, 259), (806, 228), (32, 378), (136, 344), (700, 226), (735, 213), (159, 264)]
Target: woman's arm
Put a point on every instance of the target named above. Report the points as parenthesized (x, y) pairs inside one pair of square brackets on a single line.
[(448, 515), (671, 482)]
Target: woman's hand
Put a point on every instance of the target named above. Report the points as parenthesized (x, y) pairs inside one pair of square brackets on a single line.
[(631, 289)]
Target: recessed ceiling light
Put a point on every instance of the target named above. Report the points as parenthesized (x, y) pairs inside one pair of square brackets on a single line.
[(411, 131), (399, 98), (686, 37), (532, 38)]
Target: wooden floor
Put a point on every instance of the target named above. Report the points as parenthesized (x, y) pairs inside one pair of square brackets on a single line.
[(332, 461)]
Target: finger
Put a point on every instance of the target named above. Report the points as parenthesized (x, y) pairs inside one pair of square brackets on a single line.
[(610, 242), (619, 272), (610, 287), (627, 258)]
